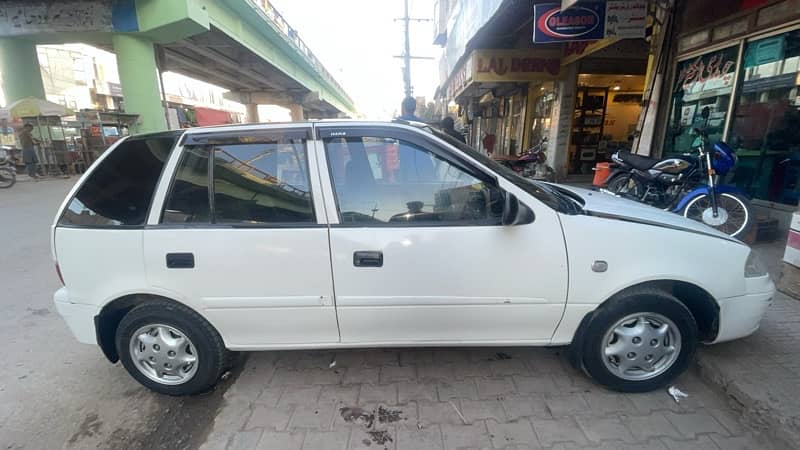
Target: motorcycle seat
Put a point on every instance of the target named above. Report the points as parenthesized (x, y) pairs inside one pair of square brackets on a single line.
[(638, 161)]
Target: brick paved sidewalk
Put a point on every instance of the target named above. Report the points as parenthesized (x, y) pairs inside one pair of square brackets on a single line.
[(459, 398), (761, 373)]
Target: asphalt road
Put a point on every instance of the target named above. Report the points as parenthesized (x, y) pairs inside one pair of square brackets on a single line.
[(55, 392)]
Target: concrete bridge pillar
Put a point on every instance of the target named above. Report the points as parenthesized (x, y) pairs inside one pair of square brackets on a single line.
[(296, 110), (251, 113), (138, 74), (19, 66)]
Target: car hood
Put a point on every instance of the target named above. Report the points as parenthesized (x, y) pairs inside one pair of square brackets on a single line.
[(605, 204)]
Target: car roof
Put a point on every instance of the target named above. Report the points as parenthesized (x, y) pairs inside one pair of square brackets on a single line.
[(267, 125)]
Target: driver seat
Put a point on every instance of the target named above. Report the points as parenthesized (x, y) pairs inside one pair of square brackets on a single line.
[(638, 161)]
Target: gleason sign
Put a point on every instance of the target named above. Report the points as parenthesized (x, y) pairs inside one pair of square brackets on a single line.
[(584, 21)]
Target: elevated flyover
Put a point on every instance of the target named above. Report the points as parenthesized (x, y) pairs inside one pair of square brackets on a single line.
[(241, 45)]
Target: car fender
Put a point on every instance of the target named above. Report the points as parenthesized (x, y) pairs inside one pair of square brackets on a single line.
[(703, 190)]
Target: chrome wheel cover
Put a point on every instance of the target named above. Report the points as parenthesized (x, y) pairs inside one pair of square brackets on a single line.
[(163, 354), (641, 346)]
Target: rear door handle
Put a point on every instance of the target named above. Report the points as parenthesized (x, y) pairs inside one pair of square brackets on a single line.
[(368, 259), (180, 260)]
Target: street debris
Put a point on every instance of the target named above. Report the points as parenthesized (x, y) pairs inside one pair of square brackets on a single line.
[(677, 394), (458, 412), (332, 364)]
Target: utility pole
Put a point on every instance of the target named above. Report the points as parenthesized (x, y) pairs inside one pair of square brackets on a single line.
[(407, 50)]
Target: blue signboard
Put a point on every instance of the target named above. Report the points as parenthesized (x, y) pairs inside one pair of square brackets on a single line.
[(585, 21)]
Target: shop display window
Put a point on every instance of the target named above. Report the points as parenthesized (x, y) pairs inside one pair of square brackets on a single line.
[(765, 128), (701, 83)]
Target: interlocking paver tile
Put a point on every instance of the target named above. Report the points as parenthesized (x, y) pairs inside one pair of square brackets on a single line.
[(494, 387), (475, 410), (270, 417), (416, 390), (604, 429), (391, 374), (566, 405), (457, 389), (415, 438), (245, 440), (551, 431), (540, 384), (531, 405), (300, 395), (475, 435), (284, 440), (380, 393), (512, 433), (692, 424), (701, 443), (326, 440)]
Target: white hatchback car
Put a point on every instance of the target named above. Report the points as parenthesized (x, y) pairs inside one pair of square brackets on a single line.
[(177, 248)]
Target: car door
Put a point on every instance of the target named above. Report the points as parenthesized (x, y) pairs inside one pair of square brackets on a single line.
[(418, 251), (239, 233)]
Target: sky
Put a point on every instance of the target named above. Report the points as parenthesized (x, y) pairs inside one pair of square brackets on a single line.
[(357, 40)]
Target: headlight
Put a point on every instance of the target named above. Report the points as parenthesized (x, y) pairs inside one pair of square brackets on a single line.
[(754, 267)]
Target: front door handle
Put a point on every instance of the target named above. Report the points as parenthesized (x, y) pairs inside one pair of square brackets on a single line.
[(368, 259), (180, 260)]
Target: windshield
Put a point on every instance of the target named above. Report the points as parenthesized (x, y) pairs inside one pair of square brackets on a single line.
[(548, 194)]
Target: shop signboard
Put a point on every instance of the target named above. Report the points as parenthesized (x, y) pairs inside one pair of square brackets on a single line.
[(581, 22), (589, 20), (499, 65), (460, 79), (625, 19)]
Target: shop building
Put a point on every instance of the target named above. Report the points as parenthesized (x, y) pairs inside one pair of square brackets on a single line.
[(644, 89), (740, 61), (584, 97)]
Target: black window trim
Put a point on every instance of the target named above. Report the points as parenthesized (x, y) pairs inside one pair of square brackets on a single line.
[(326, 133), (176, 135), (268, 136)]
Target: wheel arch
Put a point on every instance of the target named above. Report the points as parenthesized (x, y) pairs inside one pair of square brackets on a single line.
[(701, 304), (109, 317)]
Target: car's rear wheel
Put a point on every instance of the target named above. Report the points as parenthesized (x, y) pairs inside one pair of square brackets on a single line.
[(640, 341), (171, 349)]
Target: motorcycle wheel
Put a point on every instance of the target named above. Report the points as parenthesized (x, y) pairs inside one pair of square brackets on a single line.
[(627, 186), (735, 216), (7, 178)]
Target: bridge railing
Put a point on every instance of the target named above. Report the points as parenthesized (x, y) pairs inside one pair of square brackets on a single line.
[(291, 35)]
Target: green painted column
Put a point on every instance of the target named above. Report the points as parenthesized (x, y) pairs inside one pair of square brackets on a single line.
[(19, 66), (136, 64)]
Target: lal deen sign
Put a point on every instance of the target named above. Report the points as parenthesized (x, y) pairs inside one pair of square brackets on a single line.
[(515, 65)]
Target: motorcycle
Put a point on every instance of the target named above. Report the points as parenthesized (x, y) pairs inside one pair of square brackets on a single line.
[(8, 173), (532, 163), (687, 185)]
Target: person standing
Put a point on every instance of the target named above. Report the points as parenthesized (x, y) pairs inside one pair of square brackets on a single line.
[(449, 126), (407, 109), (27, 141)]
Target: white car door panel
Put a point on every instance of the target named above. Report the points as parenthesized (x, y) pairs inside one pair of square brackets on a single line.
[(259, 264), (448, 273)]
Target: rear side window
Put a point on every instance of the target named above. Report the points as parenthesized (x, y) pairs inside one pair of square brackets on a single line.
[(188, 198), (249, 184), (119, 191)]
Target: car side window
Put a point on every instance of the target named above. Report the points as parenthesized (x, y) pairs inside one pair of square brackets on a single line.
[(188, 199), (262, 183), (390, 181), (119, 190), (251, 184)]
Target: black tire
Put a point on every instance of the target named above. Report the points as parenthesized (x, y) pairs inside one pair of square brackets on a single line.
[(212, 356), (644, 301), (736, 202), (7, 178), (625, 185)]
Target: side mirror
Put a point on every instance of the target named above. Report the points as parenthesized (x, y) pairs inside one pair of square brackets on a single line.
[(514, 212)]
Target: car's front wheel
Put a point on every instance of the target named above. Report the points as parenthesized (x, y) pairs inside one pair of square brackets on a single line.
[(640, 341), (170, 349)]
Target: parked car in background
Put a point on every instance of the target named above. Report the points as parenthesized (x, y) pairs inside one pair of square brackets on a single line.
[(176, 249)]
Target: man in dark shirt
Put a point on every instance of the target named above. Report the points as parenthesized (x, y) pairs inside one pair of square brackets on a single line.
[(27, 141), (448, 126)]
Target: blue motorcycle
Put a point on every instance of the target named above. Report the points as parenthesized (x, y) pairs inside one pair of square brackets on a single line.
[(687, 185)]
